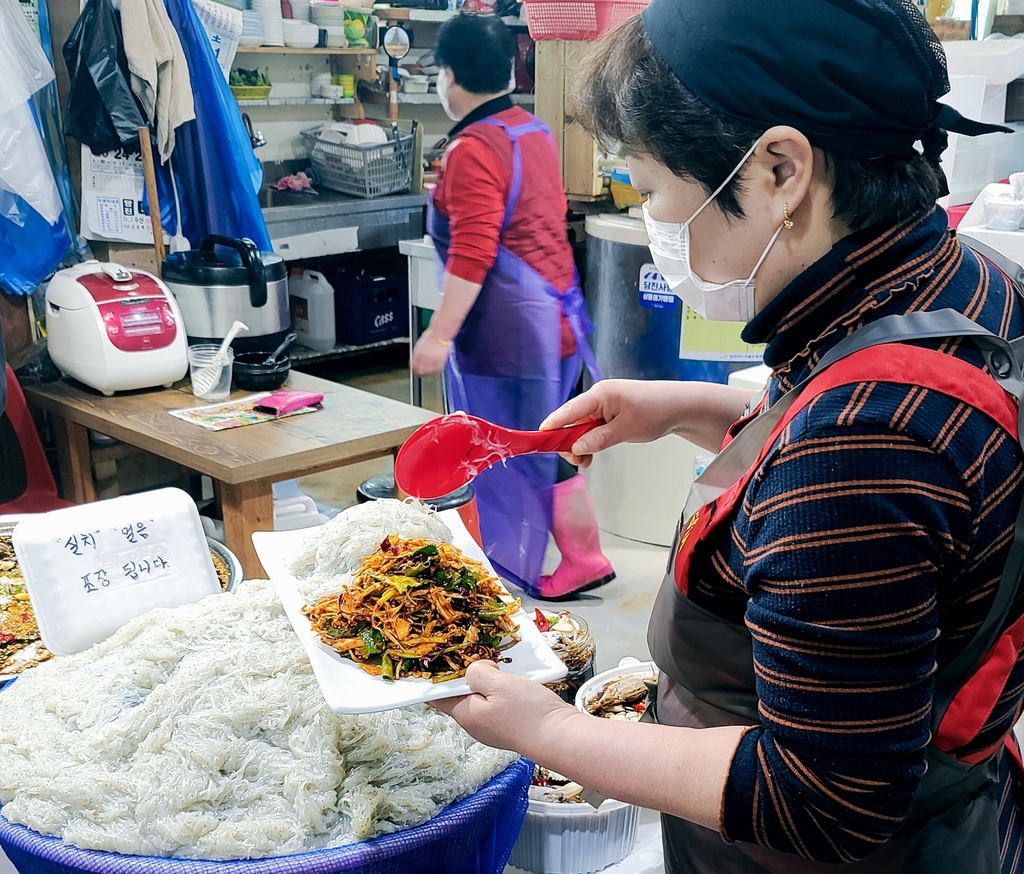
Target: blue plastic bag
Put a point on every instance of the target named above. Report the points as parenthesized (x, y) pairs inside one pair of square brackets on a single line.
[(33, 235), (30, 247), (219, 175)]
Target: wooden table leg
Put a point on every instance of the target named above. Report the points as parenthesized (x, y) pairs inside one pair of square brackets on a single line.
[(245, 508), (75, 460)]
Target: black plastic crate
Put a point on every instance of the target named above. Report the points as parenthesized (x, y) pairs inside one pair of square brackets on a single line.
[(369, 309)]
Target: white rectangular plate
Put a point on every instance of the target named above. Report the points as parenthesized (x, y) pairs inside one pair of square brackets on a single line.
[(347, 687)]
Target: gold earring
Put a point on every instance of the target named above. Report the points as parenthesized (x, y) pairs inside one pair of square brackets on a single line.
[(787, 222)]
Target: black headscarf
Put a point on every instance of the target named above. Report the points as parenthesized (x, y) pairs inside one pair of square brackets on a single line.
[(857, 77)]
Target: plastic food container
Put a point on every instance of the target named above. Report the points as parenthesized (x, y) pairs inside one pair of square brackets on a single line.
[(570, 638), (575, 838), (627, 667), (1017, 185), (1003, 213)]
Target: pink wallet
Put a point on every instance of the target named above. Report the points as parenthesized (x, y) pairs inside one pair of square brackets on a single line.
[(288, 401)]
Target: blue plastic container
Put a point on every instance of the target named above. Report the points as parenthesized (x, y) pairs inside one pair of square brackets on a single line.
[(472, 836)]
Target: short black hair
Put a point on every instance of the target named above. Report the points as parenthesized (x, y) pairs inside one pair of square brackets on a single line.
[(479, 50), (632, 102)]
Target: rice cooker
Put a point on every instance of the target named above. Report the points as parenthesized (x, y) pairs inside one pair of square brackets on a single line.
[(225, 280), (114, 329)]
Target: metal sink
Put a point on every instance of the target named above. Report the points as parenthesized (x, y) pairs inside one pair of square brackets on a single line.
[(271, 198), (308, 225)]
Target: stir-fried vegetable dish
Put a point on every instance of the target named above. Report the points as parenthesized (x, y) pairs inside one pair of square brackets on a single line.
[(20, 646), (417, 608)]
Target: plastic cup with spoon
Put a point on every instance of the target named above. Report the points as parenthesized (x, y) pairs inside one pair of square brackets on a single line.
[(210, 366)]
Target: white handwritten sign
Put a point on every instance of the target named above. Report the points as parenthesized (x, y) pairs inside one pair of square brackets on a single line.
[(89, 569)]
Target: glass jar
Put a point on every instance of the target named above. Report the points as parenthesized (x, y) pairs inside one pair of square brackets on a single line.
[(570, 638)]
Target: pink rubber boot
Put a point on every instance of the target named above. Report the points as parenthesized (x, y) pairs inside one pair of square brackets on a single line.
[(574, 527)]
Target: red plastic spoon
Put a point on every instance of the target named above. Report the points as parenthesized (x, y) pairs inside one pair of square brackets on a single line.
[(448, 452)]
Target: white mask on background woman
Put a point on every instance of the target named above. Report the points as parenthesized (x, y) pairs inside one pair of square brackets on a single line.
[(444, 83), (670, 248)]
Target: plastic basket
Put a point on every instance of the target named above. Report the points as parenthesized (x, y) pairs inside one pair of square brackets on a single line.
[(577, 19), (472, 836), (251, 92), (370, 170)]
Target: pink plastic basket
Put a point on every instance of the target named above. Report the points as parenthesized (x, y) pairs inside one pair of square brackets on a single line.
[(577, 19)]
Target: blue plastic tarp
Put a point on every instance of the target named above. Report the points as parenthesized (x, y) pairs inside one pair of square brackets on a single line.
[(219, 176)]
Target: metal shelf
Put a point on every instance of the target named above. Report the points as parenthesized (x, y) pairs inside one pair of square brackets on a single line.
[(401, 13), (292, 50), (431, 98), (302, 355), (298, 101)]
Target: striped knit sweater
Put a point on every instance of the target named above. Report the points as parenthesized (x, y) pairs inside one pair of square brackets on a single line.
[(865, 553)]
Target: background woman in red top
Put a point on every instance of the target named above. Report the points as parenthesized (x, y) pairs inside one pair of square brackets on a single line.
[(512, 313)]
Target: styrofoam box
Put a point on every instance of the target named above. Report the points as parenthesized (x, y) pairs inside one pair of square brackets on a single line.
[(974, 162), (999, 60), (89, 569)]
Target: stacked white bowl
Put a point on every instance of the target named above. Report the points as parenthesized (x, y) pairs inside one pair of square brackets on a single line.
[(252, 29), (335, 36), (270, 11), (300, 10), (327, 13), (300, 34)]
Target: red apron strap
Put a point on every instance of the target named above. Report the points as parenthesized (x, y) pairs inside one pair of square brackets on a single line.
[(897, 363)]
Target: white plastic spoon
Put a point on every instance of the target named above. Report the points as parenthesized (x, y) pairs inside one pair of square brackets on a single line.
[(206, 378)]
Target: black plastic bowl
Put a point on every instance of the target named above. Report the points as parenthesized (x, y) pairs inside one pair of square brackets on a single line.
[(251, 372)]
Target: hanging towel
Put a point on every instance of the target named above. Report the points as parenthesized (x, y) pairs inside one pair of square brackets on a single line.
[(158, 68)]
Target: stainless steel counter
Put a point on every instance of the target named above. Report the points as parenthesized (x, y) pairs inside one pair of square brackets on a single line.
[(329, 223)]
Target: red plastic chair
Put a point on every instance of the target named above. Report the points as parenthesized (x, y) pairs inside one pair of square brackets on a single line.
[(40, 492)]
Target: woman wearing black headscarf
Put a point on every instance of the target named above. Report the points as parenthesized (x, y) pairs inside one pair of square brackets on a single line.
[(839, 633)]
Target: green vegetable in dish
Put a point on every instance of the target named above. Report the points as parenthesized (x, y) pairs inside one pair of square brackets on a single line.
[(248, 78)]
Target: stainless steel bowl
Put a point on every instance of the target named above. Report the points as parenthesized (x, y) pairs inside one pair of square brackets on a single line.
[(230, 559)]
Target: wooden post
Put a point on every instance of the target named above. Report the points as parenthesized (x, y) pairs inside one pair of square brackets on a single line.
[(392, 96), (245, 508), (149, 171)]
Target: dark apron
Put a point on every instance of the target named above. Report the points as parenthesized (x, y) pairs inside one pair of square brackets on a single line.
[(707, 673), (507, 367)]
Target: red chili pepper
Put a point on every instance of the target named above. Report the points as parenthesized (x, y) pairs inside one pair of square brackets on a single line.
[(540, 620), (640, 708)]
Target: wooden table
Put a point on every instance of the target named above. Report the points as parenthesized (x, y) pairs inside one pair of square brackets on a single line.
[(243, 463)]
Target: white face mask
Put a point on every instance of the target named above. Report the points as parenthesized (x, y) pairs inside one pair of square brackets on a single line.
[(444, 83), (670, 249)]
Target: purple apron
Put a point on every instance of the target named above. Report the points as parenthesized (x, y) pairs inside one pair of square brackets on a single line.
[(506, 367)]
